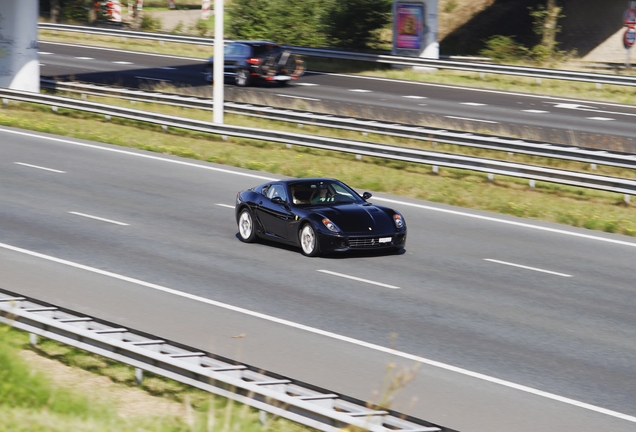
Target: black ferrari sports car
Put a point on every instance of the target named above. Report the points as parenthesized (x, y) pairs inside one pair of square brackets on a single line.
[(320, 215)]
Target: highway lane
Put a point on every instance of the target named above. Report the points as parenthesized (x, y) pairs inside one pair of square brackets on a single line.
[(550, 309), (436, 105)]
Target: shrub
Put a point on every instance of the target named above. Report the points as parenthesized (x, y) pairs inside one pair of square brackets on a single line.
[(504, 49)]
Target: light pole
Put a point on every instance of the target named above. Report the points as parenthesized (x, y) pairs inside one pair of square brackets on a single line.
[(217, 72)]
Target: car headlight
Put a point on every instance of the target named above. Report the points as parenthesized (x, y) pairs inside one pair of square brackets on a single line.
[(399, 222), (330, 225)]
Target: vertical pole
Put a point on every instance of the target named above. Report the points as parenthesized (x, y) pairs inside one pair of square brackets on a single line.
[(218, 62)]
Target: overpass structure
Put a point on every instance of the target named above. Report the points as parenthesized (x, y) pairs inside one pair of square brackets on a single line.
[(19, 64)]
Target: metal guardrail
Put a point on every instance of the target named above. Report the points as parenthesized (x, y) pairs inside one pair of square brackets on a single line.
[(375, 58), (272, 393), (468, 139), (489, 166)]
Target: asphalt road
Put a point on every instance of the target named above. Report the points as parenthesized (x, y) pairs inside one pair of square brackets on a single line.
[(578, 122), (516, 325)]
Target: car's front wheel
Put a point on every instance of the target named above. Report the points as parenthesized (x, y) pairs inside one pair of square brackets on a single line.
[(242, 78), (247, 232), (308, 241)]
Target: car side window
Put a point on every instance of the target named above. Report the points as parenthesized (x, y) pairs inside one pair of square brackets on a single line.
[(277, 190)]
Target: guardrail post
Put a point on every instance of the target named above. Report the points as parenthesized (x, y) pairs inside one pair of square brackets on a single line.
[(599, 86), (139, 376), (627, 199), (5, 102), (491, 177), (33, 339), (435, 169), (532, 184), (54, 109), (593, 166)]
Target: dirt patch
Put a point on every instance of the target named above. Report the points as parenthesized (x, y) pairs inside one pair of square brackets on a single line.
[(128, 402)]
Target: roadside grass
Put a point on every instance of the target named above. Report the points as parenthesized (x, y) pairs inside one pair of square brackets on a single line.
[(549, 87), (578, 207), (30, 401)]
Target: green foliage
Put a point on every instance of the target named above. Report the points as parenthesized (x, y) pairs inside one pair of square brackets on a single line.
[(354, 23), (449, 6), (150, 24), (289, 22), (351, 24), (504, 49)]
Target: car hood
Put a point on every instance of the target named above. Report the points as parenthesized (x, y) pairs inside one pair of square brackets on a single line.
[(358, 218)]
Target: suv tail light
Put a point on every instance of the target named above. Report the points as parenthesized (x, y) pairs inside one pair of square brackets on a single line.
[(254, 61)]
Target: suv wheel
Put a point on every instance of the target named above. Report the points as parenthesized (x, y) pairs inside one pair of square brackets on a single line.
[(242, 78)]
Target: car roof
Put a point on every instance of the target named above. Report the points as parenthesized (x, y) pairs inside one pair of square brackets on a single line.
[(307, 180), (254, 42)]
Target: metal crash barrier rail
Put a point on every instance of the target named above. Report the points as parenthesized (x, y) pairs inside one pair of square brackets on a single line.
[(272, 393)]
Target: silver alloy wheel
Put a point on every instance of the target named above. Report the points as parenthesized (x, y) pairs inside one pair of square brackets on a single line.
[(245, 225), (308, 240)]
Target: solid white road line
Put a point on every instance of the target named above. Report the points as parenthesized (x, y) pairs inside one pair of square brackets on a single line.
[(358, 279), (509, 222), (470, 119), (39, 167), (527, 268), (336, 336), (137, 53), (98, 218)]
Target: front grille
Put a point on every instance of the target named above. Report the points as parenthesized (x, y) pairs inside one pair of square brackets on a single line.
[(367, 243)]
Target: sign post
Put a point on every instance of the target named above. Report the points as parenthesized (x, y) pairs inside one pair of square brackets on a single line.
[(629, 21), (219, 60)]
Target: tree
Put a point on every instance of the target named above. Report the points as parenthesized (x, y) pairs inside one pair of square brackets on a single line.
[(545, 23), (346, 23), (353, 23)]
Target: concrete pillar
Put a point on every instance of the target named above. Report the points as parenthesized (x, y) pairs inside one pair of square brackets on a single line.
[(19, 63)]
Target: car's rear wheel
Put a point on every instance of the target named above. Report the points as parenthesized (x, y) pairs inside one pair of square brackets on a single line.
[(242, 78), (308, 241), (247, 231)]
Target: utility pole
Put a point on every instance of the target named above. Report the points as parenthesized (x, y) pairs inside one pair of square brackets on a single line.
[(217, 72)]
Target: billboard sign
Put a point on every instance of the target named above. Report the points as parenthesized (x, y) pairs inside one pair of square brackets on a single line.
[(410, 26), (415, 28)]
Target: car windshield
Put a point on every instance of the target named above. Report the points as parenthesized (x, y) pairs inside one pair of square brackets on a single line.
[(322, 192)]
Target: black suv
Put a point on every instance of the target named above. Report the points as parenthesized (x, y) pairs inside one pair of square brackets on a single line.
[(247, 61)]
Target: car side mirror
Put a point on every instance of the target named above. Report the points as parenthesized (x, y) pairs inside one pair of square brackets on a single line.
[(366, 195), (278, 200)]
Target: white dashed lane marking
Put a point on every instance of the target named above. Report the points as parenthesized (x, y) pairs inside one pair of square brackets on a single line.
[(600, 118), (414, 97), (84, 58), (471, 119), (123, 62), (306, 84), (472, 104), (40, 168), (360, 91), (226, 205), (536, 111), (358, 279), (527, 268), (98, 218)]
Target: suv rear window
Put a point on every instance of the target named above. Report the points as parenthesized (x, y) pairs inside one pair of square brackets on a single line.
[(236, 49), (260, 50)]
